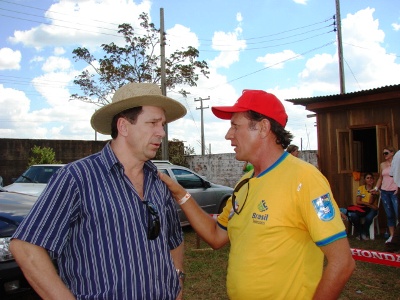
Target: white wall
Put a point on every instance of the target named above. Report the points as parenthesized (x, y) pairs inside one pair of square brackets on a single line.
[(224, 169)]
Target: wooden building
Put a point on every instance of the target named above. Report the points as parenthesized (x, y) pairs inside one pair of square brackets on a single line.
[(352, 130)]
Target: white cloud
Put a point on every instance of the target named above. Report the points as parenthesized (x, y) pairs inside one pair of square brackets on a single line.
[(319, 68), (59, 51), (229, 44), (365, 54), (180, 37), (9, 59), (239, 17), (62, 117), (70, 24), (396, 26), (230, 47), (58, 117), (366, 62), (37, 59), (300, 1), (54, 63), (277, 60), (15, 120)]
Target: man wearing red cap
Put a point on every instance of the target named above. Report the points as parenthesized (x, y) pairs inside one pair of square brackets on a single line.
[(281, 219)]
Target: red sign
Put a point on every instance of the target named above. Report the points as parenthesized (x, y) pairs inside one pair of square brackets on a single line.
[(376, 257)]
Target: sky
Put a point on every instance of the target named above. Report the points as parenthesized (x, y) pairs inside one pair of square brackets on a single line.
[(285, 47)]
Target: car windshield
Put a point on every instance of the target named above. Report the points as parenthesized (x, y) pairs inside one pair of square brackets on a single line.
[(37, 174)]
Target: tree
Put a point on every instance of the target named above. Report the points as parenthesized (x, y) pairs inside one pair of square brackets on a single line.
[(137, 61), (42, 155)]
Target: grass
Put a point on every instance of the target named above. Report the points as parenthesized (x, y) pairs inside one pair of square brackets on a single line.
[(206, 272)]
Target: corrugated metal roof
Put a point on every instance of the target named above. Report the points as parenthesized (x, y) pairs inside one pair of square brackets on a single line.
[(310, 100)]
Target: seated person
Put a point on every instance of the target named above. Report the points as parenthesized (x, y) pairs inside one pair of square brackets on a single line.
[(366, 207)]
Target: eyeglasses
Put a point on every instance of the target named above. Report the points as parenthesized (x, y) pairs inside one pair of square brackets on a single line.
[(153, 221), (385, 153), (237, 208)]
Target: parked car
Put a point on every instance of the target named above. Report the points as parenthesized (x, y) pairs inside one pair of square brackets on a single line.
[(210, 196), (34, 179), (14, 206)]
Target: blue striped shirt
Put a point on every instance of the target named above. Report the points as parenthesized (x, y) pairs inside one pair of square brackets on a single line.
[(92, 220)]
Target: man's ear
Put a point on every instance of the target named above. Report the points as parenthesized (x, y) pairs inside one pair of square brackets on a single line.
[(122, 126), (265, 127)]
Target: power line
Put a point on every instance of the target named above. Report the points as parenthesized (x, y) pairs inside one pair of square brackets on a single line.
[(114, 24), (281, 32), (61, 26), (275, 39), (269, 46), (352, 73), (277, 63), (366, 48), (56, 12)]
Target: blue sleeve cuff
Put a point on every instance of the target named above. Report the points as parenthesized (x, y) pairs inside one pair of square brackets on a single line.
[(331, 239), (221, 226)]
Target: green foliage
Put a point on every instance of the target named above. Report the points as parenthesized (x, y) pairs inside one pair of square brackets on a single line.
[(42, 155), (176, 152), (189, 150), (136, 61)]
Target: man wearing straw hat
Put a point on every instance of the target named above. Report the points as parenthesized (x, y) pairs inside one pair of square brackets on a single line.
[(108, 219)]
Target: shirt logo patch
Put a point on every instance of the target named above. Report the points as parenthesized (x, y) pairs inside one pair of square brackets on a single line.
[(324, 208), (262, 206)]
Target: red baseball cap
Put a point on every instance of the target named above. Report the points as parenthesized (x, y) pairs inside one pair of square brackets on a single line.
[(256, 100)]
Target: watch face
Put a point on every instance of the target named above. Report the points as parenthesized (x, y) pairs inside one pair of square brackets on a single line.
[(181, 275)]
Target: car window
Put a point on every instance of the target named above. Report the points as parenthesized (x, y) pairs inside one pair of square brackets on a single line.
[(38, 174), (187, 179)]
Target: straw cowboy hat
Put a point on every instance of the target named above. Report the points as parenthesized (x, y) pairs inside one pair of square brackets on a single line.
[(134, 95)]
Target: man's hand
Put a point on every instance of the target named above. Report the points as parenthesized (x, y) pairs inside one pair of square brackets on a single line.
[(176, 189)]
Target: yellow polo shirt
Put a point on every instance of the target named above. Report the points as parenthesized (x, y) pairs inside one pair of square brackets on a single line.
[(288, 214)]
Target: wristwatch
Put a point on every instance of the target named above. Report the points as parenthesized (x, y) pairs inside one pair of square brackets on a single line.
[(181, 275)]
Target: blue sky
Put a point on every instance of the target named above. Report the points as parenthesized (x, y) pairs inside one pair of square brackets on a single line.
[(287, 47)]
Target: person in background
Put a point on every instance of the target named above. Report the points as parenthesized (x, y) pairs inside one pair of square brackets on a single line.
[(394, 244), (281, 219), (367, 199), (388, 190), (293, 149), (247, 167), (108, 219)]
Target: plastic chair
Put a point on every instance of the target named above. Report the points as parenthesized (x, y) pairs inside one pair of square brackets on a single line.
[(375, 223)]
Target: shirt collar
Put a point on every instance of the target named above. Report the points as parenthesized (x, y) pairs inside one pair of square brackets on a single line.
[(110, 160)]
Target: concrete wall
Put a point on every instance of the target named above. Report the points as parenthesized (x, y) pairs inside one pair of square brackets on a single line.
[(218, 168), (226, 170), (15, 153)]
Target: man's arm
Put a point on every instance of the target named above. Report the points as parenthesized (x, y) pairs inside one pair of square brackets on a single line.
[(39, 270), (177, 257), (337, 272), (205, 226)]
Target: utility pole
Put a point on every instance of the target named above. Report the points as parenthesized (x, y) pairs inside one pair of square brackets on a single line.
[(202, 123), (164, 144), (340, 48)]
